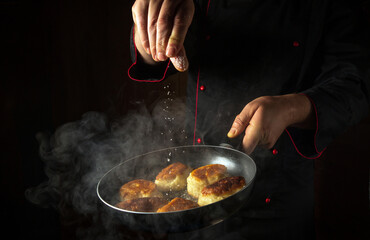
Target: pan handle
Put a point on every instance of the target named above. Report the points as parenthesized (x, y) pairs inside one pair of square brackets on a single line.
[(233, 143), (226, 145)]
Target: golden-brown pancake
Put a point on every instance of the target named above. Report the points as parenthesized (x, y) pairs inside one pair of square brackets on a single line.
[(178, 204), (221, 190), (139, 188), (143, 204), (173, 177), (204, 176)]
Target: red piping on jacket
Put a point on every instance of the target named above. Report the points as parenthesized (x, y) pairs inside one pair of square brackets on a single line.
[(196, 96), (128, 71), (196, 107), (209, 1), (317, 128)]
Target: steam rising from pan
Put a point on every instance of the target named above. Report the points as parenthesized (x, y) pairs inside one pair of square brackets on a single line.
[(78, 154)]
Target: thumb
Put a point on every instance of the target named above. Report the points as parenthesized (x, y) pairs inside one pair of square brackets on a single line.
[(241, 121), (180, 62)]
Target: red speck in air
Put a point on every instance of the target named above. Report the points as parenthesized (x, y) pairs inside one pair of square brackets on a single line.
[(202, 88), (199, 140), (268, 200), (295, 44)]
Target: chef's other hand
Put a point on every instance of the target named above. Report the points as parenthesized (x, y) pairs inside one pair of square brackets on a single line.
[(160, 30), (264, 119)]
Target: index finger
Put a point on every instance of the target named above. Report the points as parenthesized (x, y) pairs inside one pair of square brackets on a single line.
[(251, 139), (140, 15), (153, 13), (241, 121)]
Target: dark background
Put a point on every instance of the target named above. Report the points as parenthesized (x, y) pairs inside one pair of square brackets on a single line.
[(62, 58)]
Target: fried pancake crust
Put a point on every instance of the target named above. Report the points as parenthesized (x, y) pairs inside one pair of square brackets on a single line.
[(139, 188), (173, 177), (178, 204), (204, 176), (143, 204), (221, 190)]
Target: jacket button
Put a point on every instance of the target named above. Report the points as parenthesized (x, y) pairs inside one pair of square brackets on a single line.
[(199, 140), (295, 44), (275, 152), (202, 88)]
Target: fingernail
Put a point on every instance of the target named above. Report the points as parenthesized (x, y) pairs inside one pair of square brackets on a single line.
[(155, 58), (161, 56), (147, 50), (171, 51), (231, 133), (153, 52)]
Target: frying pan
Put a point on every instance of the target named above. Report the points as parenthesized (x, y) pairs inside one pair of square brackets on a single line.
[(147, 166)]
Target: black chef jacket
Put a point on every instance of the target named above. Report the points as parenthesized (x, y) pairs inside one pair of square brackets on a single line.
[(239, 50)]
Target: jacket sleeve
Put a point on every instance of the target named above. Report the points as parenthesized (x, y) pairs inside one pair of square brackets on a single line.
[(141, 72), (340, 94)]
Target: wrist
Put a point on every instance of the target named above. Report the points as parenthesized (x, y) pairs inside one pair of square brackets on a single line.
[(301, 112)]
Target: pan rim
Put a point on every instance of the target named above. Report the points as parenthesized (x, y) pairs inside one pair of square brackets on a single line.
[(169, 148)]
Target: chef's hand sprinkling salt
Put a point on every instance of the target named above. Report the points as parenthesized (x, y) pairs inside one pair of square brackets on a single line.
[(160, 30)]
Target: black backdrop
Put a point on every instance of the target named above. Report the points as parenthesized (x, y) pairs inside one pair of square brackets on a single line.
[(62, 58)]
